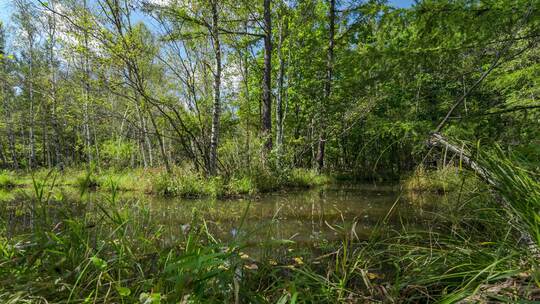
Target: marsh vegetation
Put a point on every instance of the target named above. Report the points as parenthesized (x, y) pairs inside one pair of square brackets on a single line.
[(313, 151)]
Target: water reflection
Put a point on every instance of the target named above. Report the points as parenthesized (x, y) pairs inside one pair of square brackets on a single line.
[(304, 216)]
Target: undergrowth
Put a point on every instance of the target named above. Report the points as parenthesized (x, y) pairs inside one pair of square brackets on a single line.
[(467, 249), (441, 180)]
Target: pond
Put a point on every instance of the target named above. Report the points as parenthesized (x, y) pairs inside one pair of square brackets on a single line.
[(303, 216)]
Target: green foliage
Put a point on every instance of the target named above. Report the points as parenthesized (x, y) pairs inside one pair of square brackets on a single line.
[(7, 180), (241, 186), (117, 153), (185, 182), (518, 188), (441, 180), (87, 181), (303, 178), (189, 184)]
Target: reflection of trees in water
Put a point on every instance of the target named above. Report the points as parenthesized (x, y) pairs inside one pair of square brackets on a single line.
[(301, 215)]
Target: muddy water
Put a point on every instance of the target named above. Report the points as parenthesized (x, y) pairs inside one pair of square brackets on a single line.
[(302, 216)]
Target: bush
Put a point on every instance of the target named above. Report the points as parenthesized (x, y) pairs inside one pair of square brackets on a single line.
[(264, 180), (215, 187)]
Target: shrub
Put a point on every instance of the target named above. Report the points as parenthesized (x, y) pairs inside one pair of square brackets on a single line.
[(264, 180), (164, 185)]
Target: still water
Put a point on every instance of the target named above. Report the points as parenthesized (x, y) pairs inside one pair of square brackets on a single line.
[(302, 216)]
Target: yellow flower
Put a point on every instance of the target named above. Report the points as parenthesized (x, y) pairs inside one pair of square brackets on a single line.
[(244, 256), (298, 260), (272, 262)]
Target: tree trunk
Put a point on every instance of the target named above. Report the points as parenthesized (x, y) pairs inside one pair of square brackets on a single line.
[(327, 85), (161, 143), (32, 158), (3, 157), (58, 161), (11, 143), (279, 101), (86, 85), (267, 80), (142, 132), (216, 111)]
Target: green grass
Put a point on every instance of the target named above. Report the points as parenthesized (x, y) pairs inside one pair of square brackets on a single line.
[(304, 178), (241, 186), (7, 180), (113, 251), (183, 182), (519, 190), (190, 184), (446, 179)]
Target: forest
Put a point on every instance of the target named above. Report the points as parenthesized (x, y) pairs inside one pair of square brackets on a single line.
[(269, 151)]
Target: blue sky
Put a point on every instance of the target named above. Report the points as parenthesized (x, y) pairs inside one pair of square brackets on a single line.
[(396, 3), (5, 10), (5, 7)]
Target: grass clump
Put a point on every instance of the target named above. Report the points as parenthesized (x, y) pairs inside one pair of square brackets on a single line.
[(446, 179), (519, 190), (126, 180), (305, 178), (190, 184), (7, 180), (87, 181), (184, 183), (244, 185)]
